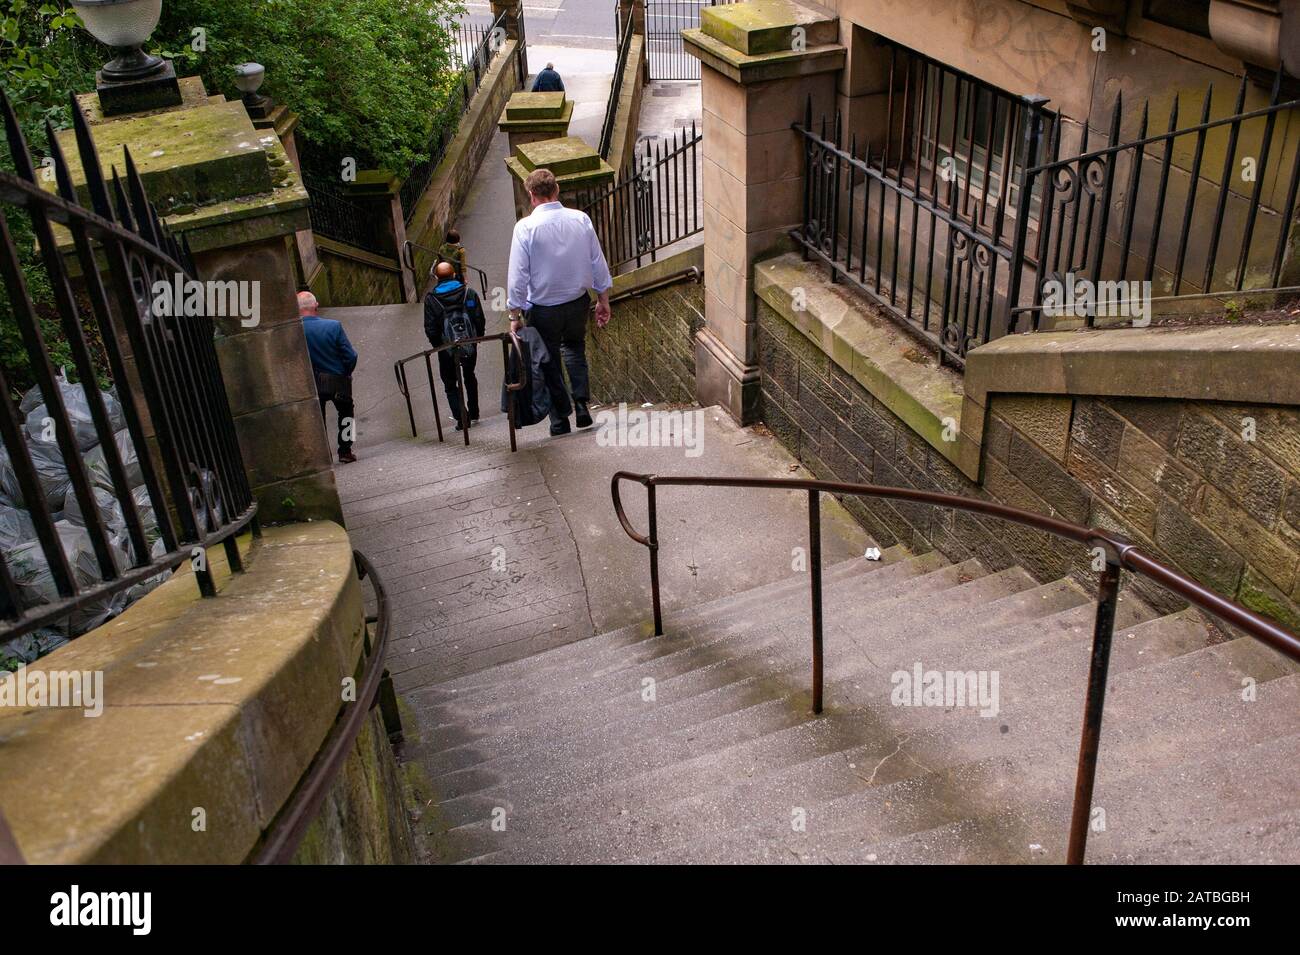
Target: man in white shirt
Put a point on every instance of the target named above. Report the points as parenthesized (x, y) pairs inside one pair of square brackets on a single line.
[(555, 257)]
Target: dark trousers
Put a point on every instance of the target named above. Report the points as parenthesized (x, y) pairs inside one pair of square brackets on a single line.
[(343, 409), (564, 330), (447, 372)]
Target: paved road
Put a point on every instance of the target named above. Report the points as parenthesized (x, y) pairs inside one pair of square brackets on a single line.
[(581, 23)]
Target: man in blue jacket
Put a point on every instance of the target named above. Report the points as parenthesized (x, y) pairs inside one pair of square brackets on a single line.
[(548, 81), (333, 360)]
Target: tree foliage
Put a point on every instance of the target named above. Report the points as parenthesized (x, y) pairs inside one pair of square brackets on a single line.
[(366, 77)]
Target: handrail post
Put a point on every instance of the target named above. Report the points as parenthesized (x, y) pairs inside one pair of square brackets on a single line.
[(464, 406), (653, 536), (406, 392), (510, 395), (433, 393), (1098, 668), (815, 572)]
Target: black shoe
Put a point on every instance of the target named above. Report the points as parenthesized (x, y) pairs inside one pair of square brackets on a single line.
[(583, 416), (561, 428)]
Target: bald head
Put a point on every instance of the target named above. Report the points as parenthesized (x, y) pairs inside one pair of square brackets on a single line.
[(444, 271), (307, 303)]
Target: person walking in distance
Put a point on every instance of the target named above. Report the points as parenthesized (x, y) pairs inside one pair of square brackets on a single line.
[(333, 359), (548, 81), (555, 257), (453, 312)]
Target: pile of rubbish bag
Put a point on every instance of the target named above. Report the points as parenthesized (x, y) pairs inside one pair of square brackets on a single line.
[(23, 553)]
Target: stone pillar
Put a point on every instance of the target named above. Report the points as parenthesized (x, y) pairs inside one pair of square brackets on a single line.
[(578, 169), (758, 76), (234, 194), (381, 191), (284, 123), (532, 117), (513, 9), (635, 10)]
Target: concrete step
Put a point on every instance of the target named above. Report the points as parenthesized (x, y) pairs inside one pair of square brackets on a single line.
[(512, 677), (1136, 737), (569, 668), (640, 795), (613, 705)]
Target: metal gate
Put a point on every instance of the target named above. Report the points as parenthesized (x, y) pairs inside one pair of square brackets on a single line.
[(664, 22)]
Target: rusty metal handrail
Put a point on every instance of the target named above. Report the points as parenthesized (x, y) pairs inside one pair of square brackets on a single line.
[(509, 342), (290, 825), (407, 260), (1118, 554)]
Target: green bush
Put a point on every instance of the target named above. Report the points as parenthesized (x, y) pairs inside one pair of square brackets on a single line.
[(366, 77)]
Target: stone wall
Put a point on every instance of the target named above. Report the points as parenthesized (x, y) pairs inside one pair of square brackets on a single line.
[(622, 145), (351, 276), (1175, 476), (438, 206), (212, 712), (647, 351)]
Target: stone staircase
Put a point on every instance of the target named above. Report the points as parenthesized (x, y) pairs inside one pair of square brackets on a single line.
[(700, 745)]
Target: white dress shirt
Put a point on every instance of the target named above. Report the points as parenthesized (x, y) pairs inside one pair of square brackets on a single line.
[(555, 256)]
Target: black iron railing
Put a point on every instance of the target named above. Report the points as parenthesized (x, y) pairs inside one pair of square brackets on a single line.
[(163, 495), (1115, 214), (922, 218), (959, 214), (624, 33), (510, 354), (334, 215), (664, 22), (1115, 553), (656, 204)]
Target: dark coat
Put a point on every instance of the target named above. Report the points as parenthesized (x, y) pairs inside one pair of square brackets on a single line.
[(533, 403), (445, 296)]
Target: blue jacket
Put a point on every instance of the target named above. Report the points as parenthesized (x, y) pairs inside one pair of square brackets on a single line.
[(548, 81), (327, 344)]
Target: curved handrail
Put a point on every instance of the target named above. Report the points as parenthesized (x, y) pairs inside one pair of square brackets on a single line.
[(287, 830), (1123, 552), (1117, 553), (509, 342), (407, 258)]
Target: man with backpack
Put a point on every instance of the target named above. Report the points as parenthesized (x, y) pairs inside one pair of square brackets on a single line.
[(453, 313)]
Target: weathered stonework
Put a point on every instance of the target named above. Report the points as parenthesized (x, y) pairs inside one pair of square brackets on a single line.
[(1184, 479), (647, 351)]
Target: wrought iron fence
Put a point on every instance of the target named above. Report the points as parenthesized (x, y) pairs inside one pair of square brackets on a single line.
[(957, 214), (146, 475), (1116, 215), (922, 215), (337, 217), (664, 22), (624, 33), (655, 204)]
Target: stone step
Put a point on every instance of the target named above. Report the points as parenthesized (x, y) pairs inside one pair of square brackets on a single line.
[(509, 679), (1156, 813), (1135, 736), (640, 795), (568, 666), (615, 710)]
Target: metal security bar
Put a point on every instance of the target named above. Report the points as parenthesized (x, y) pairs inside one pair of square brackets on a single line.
[(624, 33), (1118, 555), (195, 491), (656, 203), (1114, 214), (921, 212), (666, 52)]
